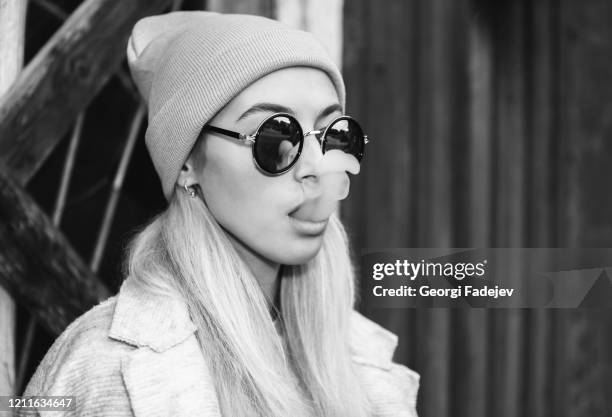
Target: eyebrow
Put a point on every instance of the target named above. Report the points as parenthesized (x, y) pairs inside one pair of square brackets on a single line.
[(277, 108)]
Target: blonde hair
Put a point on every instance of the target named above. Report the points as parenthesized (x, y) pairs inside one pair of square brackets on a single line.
[(255, 371)]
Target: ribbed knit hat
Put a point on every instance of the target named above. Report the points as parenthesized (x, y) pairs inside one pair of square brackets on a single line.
[(189, 65)]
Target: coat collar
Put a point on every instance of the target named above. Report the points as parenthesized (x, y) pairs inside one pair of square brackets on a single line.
[(370, 343), (162, 321), (145, 319), (161, 381)]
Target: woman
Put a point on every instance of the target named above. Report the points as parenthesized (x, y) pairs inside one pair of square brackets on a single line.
[(239, 297)]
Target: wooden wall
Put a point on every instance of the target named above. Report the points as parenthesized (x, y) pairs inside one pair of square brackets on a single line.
[(491, 125)]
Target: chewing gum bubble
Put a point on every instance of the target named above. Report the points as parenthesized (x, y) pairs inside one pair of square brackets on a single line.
[(332, 185)]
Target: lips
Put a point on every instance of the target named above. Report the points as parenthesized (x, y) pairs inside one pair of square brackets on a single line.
[(307, 227), (300, 214)]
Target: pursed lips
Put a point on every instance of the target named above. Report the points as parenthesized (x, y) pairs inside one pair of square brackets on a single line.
[(308, 227)]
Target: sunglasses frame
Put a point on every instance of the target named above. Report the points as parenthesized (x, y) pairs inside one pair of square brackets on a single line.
[(252, 139)]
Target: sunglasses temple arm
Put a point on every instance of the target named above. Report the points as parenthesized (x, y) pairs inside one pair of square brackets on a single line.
[(225, 132)]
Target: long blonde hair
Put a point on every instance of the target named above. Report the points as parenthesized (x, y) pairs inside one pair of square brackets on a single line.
[(255, 371)]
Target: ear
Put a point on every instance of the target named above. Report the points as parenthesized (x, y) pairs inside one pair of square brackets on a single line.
[(187, 173)]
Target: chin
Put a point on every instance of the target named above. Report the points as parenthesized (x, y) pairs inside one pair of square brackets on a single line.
[(300, 253)]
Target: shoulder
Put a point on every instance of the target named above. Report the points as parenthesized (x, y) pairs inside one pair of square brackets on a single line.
[(84, 340), (371, 342), (133, 354), (84, 362), (392, 388)]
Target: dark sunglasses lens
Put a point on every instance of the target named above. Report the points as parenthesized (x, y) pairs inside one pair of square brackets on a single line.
[(278, 144), (345, 135)]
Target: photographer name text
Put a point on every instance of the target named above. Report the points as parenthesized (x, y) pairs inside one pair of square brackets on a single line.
[(427, 291)]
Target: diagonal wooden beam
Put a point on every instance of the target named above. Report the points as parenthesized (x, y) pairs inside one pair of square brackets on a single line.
[(38, 267), (12, 35), (63, 78)]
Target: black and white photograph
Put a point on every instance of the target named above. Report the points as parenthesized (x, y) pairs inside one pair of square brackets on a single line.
[(306, 208)]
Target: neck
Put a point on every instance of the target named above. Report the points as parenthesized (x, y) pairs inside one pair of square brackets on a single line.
[(266, 272)]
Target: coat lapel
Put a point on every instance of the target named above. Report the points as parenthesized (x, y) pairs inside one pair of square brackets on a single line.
[(391, 388), (175, 382), (167, 374)]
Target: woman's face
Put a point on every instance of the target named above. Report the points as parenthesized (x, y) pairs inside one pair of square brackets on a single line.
[(257, 210)]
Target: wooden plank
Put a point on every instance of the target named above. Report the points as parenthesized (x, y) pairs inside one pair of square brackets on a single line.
[(63, 78), (587, 355), (469, 363), (435, 124), (471, 341), (386, 170), (12, 33), (567, 219), (509, 214), (586, 151), (37, 264), (259, 7), (538, 371), (587, 95), (505, 330), (438, 64), (481, 127), (560, 357), (433, 356), (542, 78), (542, 120), (510, 107), (355, 58)]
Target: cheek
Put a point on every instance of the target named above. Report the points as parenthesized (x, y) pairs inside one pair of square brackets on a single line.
[(229, 183)]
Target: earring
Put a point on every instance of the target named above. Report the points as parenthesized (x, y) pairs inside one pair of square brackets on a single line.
[(190, 191)]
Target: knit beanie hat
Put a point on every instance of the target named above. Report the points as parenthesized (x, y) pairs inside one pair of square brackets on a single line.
[(189, 65)]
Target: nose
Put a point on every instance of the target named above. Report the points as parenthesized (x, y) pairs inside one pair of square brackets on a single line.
[(305, 167)]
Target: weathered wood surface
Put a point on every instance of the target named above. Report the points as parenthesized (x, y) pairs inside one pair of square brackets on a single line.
[(470, 397), (63, 78), (490, 124), (12, 33), (258, 7), (37, 264), (585, 173)]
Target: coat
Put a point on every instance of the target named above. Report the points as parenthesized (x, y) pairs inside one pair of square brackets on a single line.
[(137, 354)]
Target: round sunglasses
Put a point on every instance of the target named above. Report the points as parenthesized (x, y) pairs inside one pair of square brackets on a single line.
[(279, 140)]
